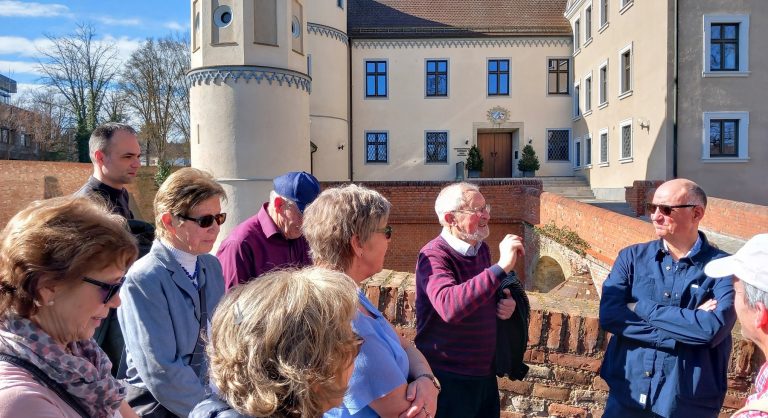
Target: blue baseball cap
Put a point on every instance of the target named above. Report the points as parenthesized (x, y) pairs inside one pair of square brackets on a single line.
[(299, 186)]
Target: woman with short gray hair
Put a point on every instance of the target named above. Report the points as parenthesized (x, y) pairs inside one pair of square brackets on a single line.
[(346, 228)]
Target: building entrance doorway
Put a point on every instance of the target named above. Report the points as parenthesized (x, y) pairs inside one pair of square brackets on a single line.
[(496, 150)]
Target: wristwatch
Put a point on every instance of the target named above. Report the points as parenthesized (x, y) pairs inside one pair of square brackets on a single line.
[(432, 378)]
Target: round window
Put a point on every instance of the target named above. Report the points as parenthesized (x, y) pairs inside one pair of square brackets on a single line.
[(295, 27), (222, 16)]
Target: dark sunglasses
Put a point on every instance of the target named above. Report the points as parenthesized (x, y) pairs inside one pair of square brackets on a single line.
[(387, 231), (665, 210), (207, 220), (108, 290)]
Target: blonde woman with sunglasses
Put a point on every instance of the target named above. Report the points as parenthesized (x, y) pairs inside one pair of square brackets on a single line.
[(346, 228), (168, 296)]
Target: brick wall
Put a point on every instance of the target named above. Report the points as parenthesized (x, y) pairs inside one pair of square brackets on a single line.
[(415, 222), (565, 350), (22, 182)]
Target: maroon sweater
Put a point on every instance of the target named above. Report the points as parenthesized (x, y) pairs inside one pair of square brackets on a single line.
[(456, 308)]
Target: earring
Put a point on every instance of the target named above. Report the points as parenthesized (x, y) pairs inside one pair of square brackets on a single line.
[(50, 302), (36, 303)]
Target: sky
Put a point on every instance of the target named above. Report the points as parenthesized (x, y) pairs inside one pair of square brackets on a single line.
[(126, 23)]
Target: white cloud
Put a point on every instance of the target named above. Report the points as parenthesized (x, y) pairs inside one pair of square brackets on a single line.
[(173, 25), (26, 88), (19, 67), (31, 9), (16, 45), (124, 45), (111, 21)]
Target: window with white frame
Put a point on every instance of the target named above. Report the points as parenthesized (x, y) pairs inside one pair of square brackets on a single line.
[(603, 90), (604, 147), (577, 153), (558, 144), (588, 93), (726, 45), (625, 3), (576, 100), (725, 136), (436, 147), (625, 129), (587, 24), (576, 35), (558, 75), (376, 147), (603, 13), (625, 70), (587, 150)]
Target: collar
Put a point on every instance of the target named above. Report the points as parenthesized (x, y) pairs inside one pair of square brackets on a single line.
[(187, 261), (460, 246), (104, 186), (693, 251), (268, 226)]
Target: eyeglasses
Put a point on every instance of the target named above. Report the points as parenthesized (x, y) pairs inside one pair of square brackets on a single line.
[(387, 231), (665, 210), (108, 290), (478, 211), (207, 220)]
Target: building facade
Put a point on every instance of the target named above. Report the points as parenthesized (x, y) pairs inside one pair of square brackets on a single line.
[(610, 90), (666, 89)]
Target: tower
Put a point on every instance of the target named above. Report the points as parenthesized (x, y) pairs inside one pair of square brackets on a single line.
[(328, 59), (249, 97)]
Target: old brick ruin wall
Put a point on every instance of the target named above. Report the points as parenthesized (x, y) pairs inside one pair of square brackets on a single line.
[(566, 344)]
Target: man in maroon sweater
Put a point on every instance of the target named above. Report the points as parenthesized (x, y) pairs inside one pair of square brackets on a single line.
[(456, 305)]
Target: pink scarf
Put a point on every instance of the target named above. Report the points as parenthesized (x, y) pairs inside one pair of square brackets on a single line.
[(85, 373)]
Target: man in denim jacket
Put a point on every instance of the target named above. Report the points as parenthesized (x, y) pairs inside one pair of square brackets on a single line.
[(671, 324)]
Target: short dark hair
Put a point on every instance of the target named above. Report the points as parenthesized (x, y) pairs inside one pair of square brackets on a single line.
[(102, 135)]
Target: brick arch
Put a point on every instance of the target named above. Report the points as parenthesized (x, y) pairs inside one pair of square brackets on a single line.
[(547, 275)]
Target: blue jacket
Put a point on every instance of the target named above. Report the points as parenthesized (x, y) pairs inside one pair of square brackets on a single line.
[(160, 319), (667, 356)]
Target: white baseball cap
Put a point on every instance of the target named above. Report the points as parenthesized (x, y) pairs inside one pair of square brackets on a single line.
[(749, 264)]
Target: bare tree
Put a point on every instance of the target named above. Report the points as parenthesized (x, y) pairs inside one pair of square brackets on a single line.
[(81, 69), (114, 107), (153, 83)]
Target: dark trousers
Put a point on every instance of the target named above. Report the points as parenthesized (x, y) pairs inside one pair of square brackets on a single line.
[(467, 396), (614, 409)]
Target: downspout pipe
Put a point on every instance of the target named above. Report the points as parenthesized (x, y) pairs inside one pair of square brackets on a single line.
[(676, 89)]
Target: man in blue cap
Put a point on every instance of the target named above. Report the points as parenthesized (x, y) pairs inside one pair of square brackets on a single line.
[(272, 238)]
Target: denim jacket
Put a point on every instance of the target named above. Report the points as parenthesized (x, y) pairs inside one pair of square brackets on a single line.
[(667, 356)]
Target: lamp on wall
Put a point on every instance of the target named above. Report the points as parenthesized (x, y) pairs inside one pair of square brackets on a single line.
[(644, 124), (530, 140), (340, 147)]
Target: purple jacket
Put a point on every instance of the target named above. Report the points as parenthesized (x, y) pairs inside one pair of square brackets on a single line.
[(257, 246), (456, 308)]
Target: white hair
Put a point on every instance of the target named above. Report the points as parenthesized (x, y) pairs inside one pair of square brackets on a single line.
[(451, 198), (273, 195), (753, 295)]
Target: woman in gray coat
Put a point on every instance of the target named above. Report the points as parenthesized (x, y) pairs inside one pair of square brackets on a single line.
[(168, 296)]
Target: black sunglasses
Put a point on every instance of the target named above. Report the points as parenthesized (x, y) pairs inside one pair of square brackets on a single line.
[(665, 210), (387, 231), (207, 220), (108, 290)]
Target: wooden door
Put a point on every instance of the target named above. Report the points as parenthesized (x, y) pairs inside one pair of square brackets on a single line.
[(486, 143), (496, 150)]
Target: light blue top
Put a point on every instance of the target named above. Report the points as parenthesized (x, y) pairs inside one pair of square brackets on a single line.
[(381, 366)]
